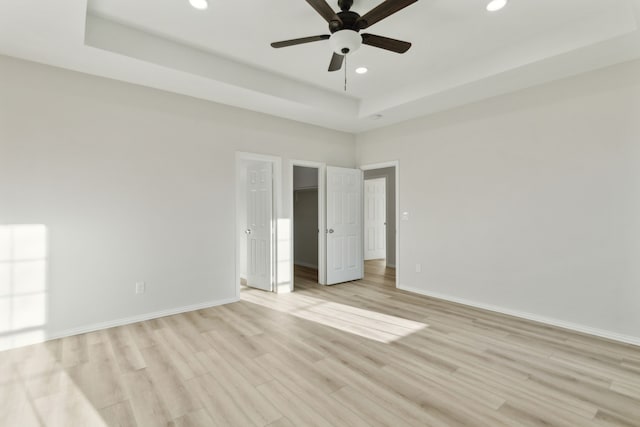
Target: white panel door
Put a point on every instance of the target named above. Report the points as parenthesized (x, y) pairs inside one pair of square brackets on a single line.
[(344, 225), (259, 225), (375, 217)]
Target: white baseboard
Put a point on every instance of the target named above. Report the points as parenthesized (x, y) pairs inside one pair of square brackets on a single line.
[(134, 319), (627, 339), (306, 264)]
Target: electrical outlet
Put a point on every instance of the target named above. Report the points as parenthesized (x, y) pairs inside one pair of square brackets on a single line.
[(140, 288), (418, 268)]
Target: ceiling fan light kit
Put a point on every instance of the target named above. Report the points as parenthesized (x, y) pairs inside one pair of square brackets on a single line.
[(345, 41), (345, 27)]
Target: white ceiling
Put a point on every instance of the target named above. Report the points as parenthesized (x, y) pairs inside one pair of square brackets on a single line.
[(461, 53)]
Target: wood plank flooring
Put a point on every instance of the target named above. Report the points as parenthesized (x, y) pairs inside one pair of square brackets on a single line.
[(356, 354)]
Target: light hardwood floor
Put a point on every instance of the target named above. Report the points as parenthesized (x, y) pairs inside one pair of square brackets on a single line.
[(356, 354)]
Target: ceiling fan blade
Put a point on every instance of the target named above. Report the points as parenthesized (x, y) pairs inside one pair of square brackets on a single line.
[(302, 40), (323, 8), (386, 43), (383, 10), (336, 62)]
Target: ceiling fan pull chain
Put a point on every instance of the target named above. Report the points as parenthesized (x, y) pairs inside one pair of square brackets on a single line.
[(345, 73)]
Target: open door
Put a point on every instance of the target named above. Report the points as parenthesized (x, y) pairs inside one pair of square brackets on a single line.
[(344, 225), (260, 225)]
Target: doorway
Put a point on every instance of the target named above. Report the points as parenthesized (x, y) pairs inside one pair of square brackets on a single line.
[(307, 202), (381, 207), (306, 229), (375, 219), (341, 223)]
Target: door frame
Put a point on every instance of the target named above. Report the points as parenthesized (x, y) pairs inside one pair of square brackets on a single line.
[(276, 183), (322, 237), (364, 200), (396, 165)]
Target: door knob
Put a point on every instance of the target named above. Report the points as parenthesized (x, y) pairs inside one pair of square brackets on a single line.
[(330, 230), (247, 231)]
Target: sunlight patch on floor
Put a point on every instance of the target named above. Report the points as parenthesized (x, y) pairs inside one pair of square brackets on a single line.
[(42, 389), (365, 323)]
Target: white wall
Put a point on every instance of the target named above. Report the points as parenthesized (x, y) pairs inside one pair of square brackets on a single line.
[(528, 202), (133, 184)]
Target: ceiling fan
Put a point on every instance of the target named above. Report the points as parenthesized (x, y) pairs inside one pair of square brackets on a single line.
[(345, 29)]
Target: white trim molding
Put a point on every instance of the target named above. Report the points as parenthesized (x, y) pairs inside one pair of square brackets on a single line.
[(614, 336)]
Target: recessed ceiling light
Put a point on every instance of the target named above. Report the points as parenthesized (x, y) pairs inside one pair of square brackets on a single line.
[(495, 5), (361, 70), (199, 4)]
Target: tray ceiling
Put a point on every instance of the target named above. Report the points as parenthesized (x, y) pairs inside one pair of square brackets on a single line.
[(461, 53)]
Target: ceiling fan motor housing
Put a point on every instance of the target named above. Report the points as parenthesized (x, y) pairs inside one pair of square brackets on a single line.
[(345, 41)]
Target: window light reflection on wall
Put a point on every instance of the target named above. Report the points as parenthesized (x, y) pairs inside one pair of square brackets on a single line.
[(23, 284)]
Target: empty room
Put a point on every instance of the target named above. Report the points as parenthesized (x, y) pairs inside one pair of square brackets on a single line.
[(319, 213)]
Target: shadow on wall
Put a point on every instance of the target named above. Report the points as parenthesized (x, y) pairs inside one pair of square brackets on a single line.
[(23, 284)]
